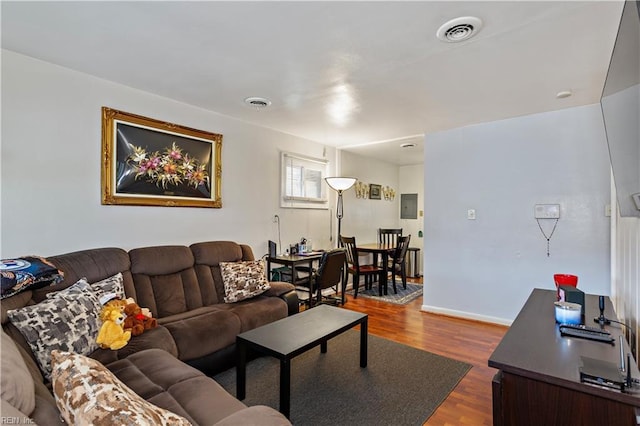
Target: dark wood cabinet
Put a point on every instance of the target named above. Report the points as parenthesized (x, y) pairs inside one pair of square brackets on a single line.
[(538, 382)]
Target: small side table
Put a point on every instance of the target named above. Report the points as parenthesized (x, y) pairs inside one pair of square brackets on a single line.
[(415, 262)]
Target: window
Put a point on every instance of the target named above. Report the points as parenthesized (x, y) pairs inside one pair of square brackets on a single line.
[(303, 181)]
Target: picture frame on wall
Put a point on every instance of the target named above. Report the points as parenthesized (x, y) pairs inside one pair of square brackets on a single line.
[(149, 162), (375, 191)]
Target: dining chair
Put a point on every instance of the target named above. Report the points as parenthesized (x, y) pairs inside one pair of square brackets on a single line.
[(398, 263), (389, 236), (354, 268), (328, 275)]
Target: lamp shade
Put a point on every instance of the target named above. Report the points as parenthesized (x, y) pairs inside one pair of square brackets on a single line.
[(340, 183)]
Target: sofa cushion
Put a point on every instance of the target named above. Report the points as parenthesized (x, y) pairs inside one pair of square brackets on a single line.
[(16, 383), (165, 280), (208, 256), (202, 331), (67, 321), (258, 415), (257, 311), (171, 384), (26, 273), (87, 392), (243, 280)]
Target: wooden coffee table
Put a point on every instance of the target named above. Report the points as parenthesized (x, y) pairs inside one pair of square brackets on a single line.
[(289, 337)]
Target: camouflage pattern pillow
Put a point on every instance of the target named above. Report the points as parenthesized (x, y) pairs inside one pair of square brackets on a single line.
[(243, 280), (68, 321), (109, 288), (105, 290), (87, 393)]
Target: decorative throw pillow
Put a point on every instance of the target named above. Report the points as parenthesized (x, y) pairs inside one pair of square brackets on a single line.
[(243, 280), (109, 288), (105, 290), (69, 321), (28, 272), (87, 393)]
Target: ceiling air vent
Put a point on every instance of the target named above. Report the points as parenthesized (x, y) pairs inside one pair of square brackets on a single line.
[(459, 29), (257, 102)]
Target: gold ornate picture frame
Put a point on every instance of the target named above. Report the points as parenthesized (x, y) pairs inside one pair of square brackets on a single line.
[(148, 162)]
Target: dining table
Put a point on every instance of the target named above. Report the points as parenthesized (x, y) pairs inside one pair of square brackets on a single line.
[(383, 250)]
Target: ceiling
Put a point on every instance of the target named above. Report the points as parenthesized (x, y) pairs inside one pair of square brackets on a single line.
[(363, 76)]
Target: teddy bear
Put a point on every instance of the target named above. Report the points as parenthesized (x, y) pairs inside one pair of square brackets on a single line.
[(136, 320), (112, 334)]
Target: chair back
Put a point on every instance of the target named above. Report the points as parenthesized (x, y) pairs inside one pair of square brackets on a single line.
[(329, 272), (401, 249), (389, 236), (351, 251)]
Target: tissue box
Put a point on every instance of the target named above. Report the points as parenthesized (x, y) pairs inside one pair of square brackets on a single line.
[(571, 294)]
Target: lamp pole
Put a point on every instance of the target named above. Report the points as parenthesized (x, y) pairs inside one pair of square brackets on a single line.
[(339, 214), (340, 184)]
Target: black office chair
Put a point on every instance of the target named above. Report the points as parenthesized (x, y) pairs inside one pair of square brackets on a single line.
[(354, 267), (398, 264), (328, 275)]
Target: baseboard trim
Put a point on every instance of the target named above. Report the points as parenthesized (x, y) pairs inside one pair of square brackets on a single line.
[(465, 315)]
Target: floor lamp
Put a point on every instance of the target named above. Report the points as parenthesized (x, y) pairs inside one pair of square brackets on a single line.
[(340, 184)]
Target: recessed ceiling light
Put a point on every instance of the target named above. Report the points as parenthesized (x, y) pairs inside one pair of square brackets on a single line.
[(564, 94), (459, 29), (407, 145), (257, 102)]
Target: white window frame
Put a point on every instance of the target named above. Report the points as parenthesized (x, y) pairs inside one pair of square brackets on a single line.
[(296, 194)]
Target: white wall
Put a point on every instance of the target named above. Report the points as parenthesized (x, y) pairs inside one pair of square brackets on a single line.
[(50, 182), (412, 182), (621, 111), (625, 267), (363, 217), (486, 268)]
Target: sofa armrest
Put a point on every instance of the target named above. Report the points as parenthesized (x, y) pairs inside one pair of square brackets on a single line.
[(286, 292), (258, 415)]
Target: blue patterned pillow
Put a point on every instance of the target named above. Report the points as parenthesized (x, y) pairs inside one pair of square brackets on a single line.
[(27, 273)]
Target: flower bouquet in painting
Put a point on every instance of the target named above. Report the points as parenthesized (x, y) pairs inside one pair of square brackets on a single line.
[(169, 169), (167, 165)]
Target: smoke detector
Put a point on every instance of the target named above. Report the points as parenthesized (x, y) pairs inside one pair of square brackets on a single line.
[(459, 29), (564, 94), (257, 102)]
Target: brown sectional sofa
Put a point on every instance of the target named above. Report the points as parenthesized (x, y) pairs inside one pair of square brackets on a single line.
[(184, 290)]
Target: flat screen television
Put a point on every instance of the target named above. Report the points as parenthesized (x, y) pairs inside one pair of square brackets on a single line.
[(620, 104)]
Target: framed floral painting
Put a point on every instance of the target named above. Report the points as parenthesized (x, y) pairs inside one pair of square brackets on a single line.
[(154, 163)]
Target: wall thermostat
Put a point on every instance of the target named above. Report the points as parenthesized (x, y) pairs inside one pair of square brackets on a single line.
[(547, 211)]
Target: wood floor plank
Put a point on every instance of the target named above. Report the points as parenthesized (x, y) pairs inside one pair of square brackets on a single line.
[(464, 340)]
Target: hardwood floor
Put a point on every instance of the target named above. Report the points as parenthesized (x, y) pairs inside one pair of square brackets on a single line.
[(465, 340)]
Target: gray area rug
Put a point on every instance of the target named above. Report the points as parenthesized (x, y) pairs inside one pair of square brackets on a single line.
[(412, 292), (401, 385)]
